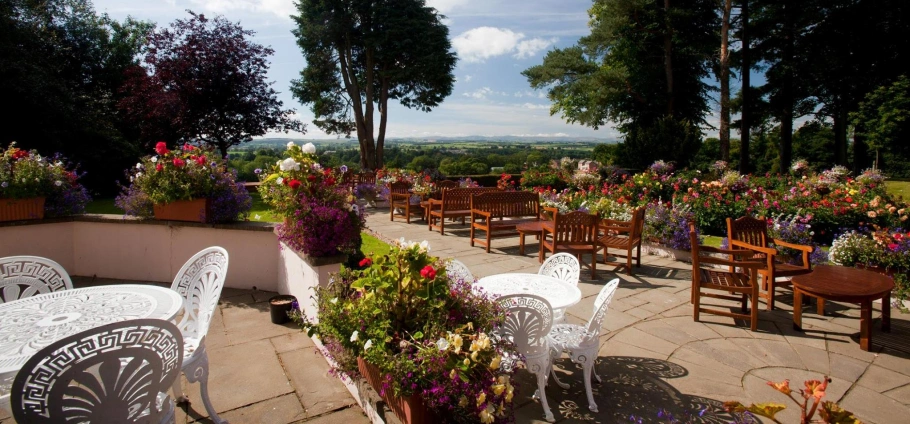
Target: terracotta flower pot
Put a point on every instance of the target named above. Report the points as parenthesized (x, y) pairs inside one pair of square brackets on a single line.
[(182, 210), (409, 410), (19, 209)]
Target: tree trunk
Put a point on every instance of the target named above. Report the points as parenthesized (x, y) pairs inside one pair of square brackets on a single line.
[(343, 47), (383, 119), (725, 82), (787, 101), (745, 166), (668, 59), (840, 132), (860, 150)]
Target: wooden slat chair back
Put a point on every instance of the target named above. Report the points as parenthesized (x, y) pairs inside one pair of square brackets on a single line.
[(737, 284), (496, 213), (401, 203), (623, 235), (455, 203), (575, 233), (752, 234), (368, 177)]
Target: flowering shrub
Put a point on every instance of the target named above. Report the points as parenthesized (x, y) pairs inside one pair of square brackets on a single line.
[(797, 230), (669, 225), (551, 180), (661, 168), (25, 174), (426, 334), (881, 248), (607, 208), (586, 180), (184, 174), (321, 218)]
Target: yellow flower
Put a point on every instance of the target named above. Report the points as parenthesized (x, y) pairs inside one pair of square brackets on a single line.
[(453, 374), (481, 398), (456, 342), (510, 391), (494, 364), (463, 401), (486, 417), (474, 356), (467, 362), (498, 389)]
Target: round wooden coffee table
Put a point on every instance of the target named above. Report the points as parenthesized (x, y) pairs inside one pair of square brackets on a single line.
[(849, 285)]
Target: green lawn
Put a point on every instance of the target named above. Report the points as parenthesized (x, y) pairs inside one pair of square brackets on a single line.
[(898, 188), (103, 206)]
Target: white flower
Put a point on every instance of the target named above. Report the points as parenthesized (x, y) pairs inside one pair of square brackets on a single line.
[(291, 145), (39, 158), (368, 344), (354, 335), (280, 180), (139, 165), (289, 165), (256, 217), (442, 344), (308, 148), (138, 174), (425, 246), (154, 159), (334, 300), (317, 167), (58, 164)]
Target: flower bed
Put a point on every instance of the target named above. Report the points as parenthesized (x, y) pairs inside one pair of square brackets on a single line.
[(427, 335), (28, 175), (881, 249), (187, 173)]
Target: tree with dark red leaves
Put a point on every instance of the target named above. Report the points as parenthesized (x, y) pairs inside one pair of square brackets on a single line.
[(204, 81)]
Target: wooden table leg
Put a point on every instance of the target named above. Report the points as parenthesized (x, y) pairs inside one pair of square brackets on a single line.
[(820, 306), (886, 312), (797, 309), (865, 324), (521, 243)]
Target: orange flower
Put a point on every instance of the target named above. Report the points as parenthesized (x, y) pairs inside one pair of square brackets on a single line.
[(782, 387), (816, 388)]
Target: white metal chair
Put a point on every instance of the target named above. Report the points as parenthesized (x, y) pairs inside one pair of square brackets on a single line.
[(583, 342), (564, 267), (25, 276), (527, 324), (116, 373), (199, 281), (456, 270)]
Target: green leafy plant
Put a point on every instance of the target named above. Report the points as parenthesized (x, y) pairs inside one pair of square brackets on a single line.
[(25, 174), (811, 394)]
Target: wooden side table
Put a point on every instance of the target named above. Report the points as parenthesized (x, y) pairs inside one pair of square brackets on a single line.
[(534, 228), (849, 285)]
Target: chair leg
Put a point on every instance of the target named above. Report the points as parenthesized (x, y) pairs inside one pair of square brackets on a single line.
[(542, 394), (753, 313), (587, 368), (629, 261), (593, 265), (638, 256), (177, 388), (200, 374), (696, 300), (559, 383), (770, 294)]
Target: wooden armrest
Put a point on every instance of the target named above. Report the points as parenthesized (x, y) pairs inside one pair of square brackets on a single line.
[(735, 252), (802, 247), (759, 249), (615, 228), (747, 264), (484, 214)]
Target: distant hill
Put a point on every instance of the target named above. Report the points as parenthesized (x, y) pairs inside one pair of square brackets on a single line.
[(275, 142)]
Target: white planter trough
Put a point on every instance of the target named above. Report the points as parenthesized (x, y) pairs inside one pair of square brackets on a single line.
[(662, 251)]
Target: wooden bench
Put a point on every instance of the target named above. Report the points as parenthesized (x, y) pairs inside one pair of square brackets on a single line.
[(498, 213), (454, 203)]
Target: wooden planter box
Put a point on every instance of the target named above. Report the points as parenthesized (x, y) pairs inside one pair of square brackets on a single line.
[(409, 410), (183, 210), (19, 209)]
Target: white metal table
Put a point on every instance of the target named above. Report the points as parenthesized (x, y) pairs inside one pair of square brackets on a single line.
[(28, 325), (560, 294)]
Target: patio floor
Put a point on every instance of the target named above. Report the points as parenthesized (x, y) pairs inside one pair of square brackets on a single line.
[(655, 360)]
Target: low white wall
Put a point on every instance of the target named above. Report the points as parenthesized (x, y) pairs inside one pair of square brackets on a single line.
[(113, 247), (299, 276)]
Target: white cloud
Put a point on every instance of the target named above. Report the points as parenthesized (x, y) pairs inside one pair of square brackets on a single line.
[(535, 106), (468, 78), (482, 43), (445, 6), (282, 8), (530, 48)]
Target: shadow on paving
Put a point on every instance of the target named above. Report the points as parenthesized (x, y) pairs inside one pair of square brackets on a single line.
[(633, 389)]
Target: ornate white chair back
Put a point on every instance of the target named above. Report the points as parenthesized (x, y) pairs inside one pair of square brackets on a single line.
[(200, 281), (562, 266), (528, 322), (116, 373), (26, 276), (456, 270), (601, 304)]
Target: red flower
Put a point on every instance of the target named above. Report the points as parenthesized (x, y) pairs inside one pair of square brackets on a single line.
[(366, 262), (188, 147), (179, 162), (159, 167), (200, 160), (161, 148), (18, 154), (428, 272), (311, 178), (330, 181), (294, 184)]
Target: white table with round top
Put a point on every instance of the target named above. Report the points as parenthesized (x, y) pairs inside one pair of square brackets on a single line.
[(30, 324), (560, 294)]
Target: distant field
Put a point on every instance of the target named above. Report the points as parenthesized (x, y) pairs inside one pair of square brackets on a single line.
[(899, 188)]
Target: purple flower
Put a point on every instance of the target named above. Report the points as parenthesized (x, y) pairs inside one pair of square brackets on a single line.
[(257, 171), (343, 168)]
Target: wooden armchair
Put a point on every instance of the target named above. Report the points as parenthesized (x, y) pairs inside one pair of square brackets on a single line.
[(574, 233), (623, 235), (751, 233), (740, 279), (400, 198)]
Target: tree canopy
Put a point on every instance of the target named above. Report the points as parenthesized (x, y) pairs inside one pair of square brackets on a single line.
[(204, 81), (361, 54)]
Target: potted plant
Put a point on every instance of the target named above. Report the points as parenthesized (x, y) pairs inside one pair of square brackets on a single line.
[(32, 186), (320, 216), (187, 184), (667, 230), (418, 337)]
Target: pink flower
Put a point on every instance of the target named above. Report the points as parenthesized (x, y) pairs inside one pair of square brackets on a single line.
[(179, 162), (366, 262), (159, 167), (187, 147)]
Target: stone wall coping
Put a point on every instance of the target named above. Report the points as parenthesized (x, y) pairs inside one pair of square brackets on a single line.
[(124, 219)]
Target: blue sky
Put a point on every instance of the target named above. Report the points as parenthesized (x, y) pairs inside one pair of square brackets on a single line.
[(494, 39)]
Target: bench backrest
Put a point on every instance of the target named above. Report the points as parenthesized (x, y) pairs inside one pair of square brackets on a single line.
[(507, 203), (460, 198)]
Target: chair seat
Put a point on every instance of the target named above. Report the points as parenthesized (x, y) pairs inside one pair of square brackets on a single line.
[(787, 270), (614, 241), (724, 280), (567, 336), (190, 344), (573, 247)]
